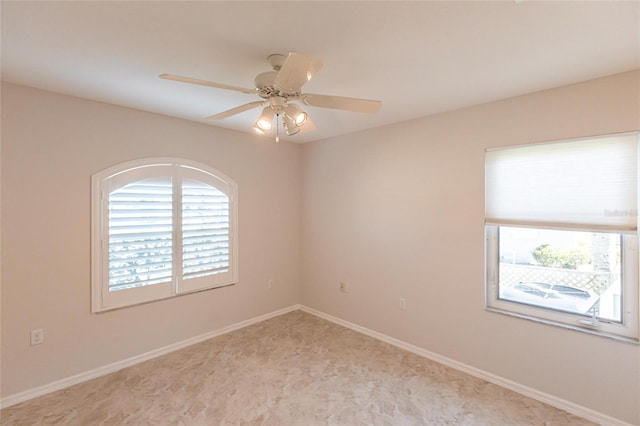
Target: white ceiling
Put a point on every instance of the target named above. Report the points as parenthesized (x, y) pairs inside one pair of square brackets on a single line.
[(418, 58)]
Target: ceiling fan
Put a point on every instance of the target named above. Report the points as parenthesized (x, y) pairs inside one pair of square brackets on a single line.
[(279, 90)]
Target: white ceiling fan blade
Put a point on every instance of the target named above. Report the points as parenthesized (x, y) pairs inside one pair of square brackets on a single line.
[(206, 83), (296, 71), (236, 110), (341, 102)]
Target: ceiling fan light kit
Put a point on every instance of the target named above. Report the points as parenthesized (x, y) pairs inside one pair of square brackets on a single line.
[(265, 119), (279, 89), (258, 130), (298, 116), (290, 125)]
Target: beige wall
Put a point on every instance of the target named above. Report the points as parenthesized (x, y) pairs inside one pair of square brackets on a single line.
[(51, 144), (398, 212), (394, 212)]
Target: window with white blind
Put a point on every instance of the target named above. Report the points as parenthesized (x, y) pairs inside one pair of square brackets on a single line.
[(160, 228), (562, 233)]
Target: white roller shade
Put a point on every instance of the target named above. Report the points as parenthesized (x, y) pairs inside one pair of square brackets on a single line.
[(588, 183)]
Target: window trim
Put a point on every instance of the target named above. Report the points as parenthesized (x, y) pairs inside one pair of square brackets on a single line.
[(177, 169)]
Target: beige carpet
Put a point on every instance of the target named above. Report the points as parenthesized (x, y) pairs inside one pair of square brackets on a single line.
[(295, 369)]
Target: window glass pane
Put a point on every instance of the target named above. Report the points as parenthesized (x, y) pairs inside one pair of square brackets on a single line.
[(569, 271), (140, 234), (205, 230)]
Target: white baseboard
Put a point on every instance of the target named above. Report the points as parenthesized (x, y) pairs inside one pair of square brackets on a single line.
[(119, 365), (546, 398)]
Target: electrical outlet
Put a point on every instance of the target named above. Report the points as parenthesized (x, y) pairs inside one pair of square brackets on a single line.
[(403, 303), (270, 284), (37, 336), (344, 288)]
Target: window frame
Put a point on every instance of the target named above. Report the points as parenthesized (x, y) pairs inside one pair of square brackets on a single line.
[(627, 329), (177, 169), (512, 201)]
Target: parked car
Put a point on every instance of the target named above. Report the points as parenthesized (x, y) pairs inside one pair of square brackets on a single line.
[(552, 296)]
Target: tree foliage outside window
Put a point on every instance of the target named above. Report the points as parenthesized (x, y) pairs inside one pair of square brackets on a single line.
[(561, 257)]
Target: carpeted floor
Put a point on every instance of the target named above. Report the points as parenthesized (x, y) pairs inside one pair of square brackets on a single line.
[(295, 369)]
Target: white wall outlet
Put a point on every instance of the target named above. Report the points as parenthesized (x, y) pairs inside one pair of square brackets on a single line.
[(37, 336), (403, 303), (270, 284), (344, 288)]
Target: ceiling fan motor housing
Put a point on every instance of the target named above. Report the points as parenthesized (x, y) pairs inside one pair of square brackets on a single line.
[(266, 89)]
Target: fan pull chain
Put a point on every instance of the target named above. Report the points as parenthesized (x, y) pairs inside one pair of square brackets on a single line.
[(277, 128)]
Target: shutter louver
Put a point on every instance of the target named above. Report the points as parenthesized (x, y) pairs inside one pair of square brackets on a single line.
[(205, 230), (140, 234)]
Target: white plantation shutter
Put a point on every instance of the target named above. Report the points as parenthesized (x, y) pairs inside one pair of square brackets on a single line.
[(590, 183), (140, 234), (161, 227), (205, 230)]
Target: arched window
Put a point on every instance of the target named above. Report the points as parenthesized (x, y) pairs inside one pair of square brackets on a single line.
[(161, 227)]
